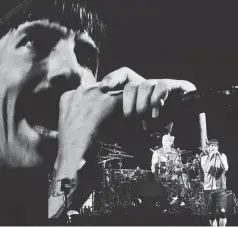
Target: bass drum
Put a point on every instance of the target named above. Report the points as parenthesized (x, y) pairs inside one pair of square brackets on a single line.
[(197, 203), (149, 193)]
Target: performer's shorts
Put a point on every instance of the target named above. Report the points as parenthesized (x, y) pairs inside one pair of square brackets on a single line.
[(215, 203)]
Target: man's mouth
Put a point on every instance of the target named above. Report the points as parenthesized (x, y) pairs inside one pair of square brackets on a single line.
[(46, 132), (41, 111)]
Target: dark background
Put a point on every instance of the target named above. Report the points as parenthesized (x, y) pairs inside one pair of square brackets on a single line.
[(195, 41)]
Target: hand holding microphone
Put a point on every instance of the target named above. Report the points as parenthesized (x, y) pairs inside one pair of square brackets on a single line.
[(84, 110)]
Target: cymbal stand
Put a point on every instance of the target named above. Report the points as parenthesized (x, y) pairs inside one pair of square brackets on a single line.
[(106, 182), (178, 190), (179, 175), (104, 173), (187, 195), (120, 164), (189, 191), (168, 169)]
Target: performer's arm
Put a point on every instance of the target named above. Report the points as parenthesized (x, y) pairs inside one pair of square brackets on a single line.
[(205, 163), (224, 163)]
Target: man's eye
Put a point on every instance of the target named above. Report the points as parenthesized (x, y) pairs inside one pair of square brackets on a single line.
[(37, 43), (26, 41), (40, 46), (86, 55), (30, 44)]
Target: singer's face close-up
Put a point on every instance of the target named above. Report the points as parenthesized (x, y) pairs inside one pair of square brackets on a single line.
[(39, 62), (213, 147)]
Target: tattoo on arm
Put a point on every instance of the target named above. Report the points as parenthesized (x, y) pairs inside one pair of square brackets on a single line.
[(53, 183), (56, 193), (51, 179)]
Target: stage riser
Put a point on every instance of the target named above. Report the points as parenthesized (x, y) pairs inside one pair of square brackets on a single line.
[(147, 218)]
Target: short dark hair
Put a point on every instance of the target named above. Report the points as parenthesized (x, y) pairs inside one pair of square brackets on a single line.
[(73, 14), (213, 141)]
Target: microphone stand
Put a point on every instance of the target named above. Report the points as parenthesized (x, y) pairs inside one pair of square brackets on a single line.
[(65, 187), (179, 176), (212, 192)]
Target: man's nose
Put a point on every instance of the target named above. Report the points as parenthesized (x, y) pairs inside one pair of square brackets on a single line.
[(63, 68)]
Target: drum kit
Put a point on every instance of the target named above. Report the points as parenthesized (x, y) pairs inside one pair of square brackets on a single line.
[(117, 183), (183, 181), (171, 187)]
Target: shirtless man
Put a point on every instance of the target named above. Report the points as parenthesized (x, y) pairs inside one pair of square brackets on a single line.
[(49, 89)]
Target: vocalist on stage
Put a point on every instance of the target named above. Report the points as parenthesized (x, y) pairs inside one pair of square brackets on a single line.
[(215, 166)]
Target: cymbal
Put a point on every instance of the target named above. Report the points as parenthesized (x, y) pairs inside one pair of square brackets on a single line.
[(109, 157), (115, 158), (99, 156), (102, 143), (105, 144), (102, 156), (110, 145), (112, 150), (104, 161), (122, 155), (184, 152), (118, 147)]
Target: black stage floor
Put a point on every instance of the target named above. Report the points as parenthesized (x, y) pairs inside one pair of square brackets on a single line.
[(146, 217)]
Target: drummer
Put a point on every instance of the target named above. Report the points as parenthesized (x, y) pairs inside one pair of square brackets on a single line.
[(165, 155)]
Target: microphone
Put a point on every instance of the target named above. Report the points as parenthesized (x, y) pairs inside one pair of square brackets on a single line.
[(214, 97), (65, 185)]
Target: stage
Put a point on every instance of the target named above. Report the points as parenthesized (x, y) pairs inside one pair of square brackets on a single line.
[(142, 217)]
